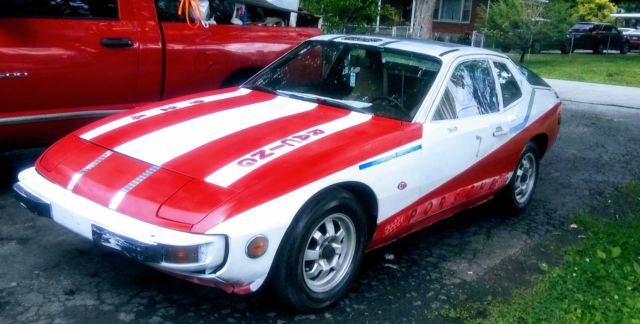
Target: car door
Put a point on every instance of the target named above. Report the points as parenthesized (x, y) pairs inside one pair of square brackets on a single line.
[(66, 58), (618, 36), (460, 133)]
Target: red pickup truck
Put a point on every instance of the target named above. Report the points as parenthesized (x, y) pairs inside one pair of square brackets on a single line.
[(64, 63)]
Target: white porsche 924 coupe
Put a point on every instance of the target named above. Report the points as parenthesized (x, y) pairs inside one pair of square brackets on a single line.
[(342, 145)]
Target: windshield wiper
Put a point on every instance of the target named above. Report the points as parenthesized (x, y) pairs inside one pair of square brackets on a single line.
[(263, 88), (324, 101)]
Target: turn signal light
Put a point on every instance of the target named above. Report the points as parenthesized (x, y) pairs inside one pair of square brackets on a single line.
[(182, 254), (257, 246)]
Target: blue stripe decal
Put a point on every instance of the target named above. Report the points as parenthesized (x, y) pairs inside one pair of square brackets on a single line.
[(390, 157), (521, 126)]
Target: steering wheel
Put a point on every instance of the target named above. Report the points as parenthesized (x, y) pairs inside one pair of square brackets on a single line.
[(400, 112)]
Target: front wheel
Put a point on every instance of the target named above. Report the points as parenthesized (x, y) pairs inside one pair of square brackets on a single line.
[(517, 194), (321, 252)]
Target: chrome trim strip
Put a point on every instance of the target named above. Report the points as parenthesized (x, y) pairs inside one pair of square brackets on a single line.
[(76, 177), (117, 199), (57, 116)]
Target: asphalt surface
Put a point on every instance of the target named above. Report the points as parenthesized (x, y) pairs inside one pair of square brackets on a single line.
[(48, 274), (593, 93)]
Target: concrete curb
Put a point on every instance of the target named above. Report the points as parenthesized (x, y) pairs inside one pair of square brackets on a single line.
[(598, 94)]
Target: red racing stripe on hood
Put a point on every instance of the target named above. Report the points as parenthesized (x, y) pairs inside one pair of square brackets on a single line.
[(328, 155), (206, 159), (102, 182), (126, 133), (112, 122)]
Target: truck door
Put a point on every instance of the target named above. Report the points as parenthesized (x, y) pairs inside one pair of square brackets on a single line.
[(66, 59), (222, 54)]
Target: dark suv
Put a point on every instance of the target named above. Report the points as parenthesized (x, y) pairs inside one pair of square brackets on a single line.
[(595, 36)]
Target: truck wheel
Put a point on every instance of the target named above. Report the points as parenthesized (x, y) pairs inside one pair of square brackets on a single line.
[(321, 252), (517, 194)]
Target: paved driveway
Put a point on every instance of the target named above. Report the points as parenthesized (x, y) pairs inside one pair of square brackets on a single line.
[(593, 93)]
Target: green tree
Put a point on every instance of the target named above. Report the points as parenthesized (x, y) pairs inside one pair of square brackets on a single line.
[(423, 20), (514, 23), (558, 21), (526, 25), (629, 5), (594, 10), (338, 13)]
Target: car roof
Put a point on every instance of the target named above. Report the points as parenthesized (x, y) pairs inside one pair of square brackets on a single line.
[(429, 47), (591, 23)]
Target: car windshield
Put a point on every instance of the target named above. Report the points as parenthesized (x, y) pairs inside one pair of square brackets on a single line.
[(366, 79)]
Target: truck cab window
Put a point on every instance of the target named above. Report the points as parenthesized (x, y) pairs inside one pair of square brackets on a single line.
[(91, 9), (221, 11)]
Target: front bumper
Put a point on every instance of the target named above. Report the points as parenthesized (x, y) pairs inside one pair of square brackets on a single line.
[(139, 240)]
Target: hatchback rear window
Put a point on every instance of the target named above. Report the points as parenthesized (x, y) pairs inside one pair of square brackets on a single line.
[(532, 78)]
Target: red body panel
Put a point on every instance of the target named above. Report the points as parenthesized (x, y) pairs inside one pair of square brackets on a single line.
[(71, 79), (201, 59), (468, 188)]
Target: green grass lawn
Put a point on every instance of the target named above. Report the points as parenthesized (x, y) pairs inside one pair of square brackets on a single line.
[(599, 281), (608, 68)]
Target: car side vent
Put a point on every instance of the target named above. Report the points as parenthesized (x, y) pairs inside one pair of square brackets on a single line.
[(362, 39)]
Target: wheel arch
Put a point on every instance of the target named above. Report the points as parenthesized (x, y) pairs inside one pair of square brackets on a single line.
[(365, 196), (542, 143)]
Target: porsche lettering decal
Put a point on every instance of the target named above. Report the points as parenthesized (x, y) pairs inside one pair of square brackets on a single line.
[(158, 111), (239, 168), (264, 154)]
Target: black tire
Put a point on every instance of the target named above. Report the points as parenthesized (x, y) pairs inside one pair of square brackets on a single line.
[(292, 280), (598, 49), (624, 49), (564, 49), (509, 199)]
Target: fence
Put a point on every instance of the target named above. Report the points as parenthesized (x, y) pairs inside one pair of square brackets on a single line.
[(393, 31), (476, 39)]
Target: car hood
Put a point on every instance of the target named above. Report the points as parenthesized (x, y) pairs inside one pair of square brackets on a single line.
[(230, 143)]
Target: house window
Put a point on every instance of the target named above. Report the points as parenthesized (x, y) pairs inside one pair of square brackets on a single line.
[(458, 11)]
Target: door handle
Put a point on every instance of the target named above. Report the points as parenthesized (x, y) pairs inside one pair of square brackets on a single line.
[(500, 131), (116, 42), (453, 129)]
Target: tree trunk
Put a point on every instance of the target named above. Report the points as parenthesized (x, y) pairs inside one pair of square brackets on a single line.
[(422, 24)]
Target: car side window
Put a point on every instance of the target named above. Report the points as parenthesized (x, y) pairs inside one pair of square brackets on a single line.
[(471, 91), (508, 84), (92, 9)]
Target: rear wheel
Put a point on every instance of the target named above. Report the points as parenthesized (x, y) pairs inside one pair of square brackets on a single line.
[(321, 252), (517, 194), (624, 49)]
